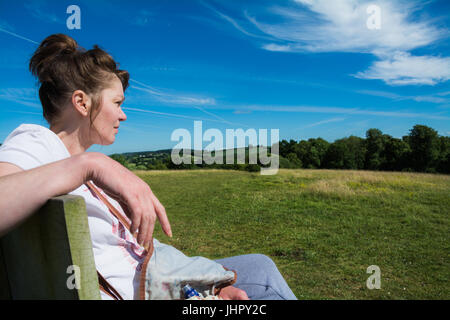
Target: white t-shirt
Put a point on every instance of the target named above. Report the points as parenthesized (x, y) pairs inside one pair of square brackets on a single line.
[(118, 256)]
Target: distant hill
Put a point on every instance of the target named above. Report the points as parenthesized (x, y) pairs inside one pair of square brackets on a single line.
[(161, 159), (147, 153), (167, 152)]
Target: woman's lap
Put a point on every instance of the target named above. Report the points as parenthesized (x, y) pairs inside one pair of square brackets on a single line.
[(259, 277)]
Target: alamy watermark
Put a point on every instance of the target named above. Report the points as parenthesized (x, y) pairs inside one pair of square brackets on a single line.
[(374, 281), (74, 20), (373, 22), (257, 147), (74, 279)]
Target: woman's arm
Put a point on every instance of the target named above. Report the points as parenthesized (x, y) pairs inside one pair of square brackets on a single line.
[(22, 193)]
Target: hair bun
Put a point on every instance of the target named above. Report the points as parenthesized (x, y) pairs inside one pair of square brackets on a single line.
[(60, 41), (48, 51)]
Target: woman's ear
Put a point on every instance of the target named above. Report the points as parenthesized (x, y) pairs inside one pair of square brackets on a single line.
[(81, 102)]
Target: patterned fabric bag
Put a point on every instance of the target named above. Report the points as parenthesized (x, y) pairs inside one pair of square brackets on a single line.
[(169, 270)]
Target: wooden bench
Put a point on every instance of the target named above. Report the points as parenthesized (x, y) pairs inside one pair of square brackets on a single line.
[(38, 259)]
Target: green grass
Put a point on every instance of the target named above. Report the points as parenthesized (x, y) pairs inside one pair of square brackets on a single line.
[(323, 228)]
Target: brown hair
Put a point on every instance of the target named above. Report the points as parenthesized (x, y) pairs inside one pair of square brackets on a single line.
[(62, 67)]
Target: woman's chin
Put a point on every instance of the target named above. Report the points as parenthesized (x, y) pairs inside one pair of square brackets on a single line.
[(107, 142)]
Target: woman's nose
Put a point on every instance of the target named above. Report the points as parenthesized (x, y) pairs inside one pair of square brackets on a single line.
[(122, 116)]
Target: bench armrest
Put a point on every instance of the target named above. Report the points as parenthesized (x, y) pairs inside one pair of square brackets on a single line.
[(35, 258)]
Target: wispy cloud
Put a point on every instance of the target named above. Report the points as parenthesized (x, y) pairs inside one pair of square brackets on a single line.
[(437, 98), (315, 124), (171, 97), (40, 10), (337, 110), (143, 18), (219, 118), (6, 25), (191, 102), (17, 35), (23, 112), (242, 111), (341, 26), (182, 116), (235, 23), (170, 115), (23, 96)]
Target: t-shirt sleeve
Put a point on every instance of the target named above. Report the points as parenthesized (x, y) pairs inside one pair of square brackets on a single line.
[(26, 150)]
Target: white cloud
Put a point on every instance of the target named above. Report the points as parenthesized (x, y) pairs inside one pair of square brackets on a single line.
[(430, 99), (403, 68), (341, 26), (277, 47)]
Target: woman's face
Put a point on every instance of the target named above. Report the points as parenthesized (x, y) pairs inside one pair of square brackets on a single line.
[(107, 122)]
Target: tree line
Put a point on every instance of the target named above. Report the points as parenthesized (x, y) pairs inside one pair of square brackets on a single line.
[(422, 150)]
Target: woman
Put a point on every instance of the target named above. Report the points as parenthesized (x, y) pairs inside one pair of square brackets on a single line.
[(81, 94)]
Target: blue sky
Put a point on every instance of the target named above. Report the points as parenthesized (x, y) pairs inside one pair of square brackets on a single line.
[(308, 68)]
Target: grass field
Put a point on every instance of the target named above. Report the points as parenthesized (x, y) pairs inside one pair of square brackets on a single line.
[(323, 228)]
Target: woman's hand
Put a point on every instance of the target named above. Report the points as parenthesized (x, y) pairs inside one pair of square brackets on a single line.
[(233, 293), (132, 193)]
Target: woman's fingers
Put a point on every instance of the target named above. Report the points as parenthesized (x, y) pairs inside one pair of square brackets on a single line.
[(233, 293), (150, 233), (162, 216), (144, 221), (133, 194), (144, 229)]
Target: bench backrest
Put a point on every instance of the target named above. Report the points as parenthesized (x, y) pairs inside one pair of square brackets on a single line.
[(42, 258)]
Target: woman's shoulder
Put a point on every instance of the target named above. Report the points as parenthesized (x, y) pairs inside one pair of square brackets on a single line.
[(27, 129), (31, 145), (29, 136)]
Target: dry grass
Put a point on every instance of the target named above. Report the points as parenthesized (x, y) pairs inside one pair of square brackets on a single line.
[(348, 183)]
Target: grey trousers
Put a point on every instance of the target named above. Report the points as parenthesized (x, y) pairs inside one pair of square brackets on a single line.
[(259, 277)]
